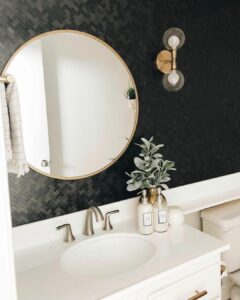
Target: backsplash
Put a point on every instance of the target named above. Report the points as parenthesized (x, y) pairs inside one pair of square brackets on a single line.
[(199, 125)]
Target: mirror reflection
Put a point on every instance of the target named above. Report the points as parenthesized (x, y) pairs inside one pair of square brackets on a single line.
[(78, 102)]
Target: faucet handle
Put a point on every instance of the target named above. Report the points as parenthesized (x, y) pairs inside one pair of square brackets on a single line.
[(69, 235), (107, 223)]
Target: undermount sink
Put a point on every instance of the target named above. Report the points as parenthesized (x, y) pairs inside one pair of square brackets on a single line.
[(107, 255)]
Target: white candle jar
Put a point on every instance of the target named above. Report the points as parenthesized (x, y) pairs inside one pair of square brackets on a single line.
[(175, 216)]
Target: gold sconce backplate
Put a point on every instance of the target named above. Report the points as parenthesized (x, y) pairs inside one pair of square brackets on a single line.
[(164, 61)]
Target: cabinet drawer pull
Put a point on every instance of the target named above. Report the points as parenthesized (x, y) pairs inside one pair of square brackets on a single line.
[(198, 295)]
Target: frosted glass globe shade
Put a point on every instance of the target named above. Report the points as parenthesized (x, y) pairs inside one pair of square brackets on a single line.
[(173, 42), (173, 77)]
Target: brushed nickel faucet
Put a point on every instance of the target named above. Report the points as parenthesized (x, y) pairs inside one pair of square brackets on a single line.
[(88, 227), (69, 235), (107, 223)]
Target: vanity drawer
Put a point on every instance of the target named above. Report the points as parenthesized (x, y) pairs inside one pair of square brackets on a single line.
[(206, 280)]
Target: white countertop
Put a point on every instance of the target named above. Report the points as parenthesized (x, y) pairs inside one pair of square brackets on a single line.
[(41, 277)]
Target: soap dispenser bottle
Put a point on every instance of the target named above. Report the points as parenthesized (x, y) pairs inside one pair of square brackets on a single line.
[(145, 215), (160, 213)]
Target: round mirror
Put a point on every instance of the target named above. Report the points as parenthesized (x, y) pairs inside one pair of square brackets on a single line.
[(78, 103)]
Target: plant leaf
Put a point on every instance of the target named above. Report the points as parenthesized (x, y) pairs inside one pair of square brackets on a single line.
[(157, 155), (138, 184), (139, 163), (146, 142), (164, 186), (131, 188)]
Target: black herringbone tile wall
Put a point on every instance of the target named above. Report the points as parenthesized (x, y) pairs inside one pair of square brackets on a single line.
[(199, 125)]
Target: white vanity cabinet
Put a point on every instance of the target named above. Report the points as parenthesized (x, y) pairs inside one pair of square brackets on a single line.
[(202, 285), (184, 262), (199, 278)]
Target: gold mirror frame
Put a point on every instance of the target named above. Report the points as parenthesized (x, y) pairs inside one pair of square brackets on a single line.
[(132, 80)]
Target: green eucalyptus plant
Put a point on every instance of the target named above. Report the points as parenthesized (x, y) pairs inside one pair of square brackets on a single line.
[(152, 170), (130, 93)]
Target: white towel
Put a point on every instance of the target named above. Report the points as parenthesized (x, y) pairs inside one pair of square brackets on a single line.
[(16, 159), (6, 122)]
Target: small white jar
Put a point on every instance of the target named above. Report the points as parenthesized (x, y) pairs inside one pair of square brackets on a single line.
[(175, 216)]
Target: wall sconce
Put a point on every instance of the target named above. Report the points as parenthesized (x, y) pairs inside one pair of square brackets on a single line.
[(173, 40)]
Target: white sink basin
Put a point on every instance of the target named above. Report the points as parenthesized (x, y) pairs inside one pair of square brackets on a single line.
[(107, 255)]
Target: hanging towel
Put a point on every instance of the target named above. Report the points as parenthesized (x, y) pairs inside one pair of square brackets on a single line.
[(6, 122), (16, 158)]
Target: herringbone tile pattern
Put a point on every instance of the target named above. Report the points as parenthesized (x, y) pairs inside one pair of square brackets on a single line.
[(199, 125)]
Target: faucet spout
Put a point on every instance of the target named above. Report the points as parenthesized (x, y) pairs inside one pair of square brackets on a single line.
[(97, 213), (88, 226)]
